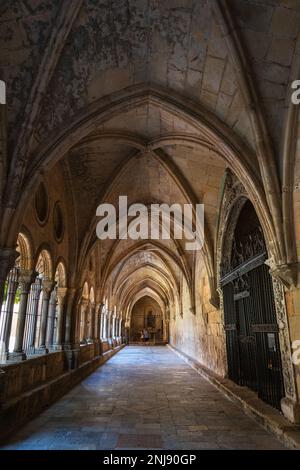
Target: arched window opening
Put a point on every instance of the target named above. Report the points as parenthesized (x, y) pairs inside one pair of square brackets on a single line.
[(60, 275), (56, 305), (14, 291), (24, 261), (44, 288)]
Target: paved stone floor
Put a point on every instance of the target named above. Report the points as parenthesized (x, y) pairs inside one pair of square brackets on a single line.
[(143, 398)]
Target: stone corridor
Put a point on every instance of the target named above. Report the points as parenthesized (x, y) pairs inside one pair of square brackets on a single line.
[(143, 398)]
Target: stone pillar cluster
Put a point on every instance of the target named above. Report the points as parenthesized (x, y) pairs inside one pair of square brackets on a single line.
[(98, 323), (32, 310)]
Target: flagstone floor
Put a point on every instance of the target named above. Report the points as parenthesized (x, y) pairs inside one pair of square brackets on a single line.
[(143, 398)]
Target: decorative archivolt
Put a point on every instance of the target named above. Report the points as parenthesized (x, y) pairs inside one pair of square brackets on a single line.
[(44, 264), (60, 275), (92, 295), (85, 291), (137, 287), (144, 281), (24, 248), (167, 256), (164, 275), (146, 291), (234, 198)]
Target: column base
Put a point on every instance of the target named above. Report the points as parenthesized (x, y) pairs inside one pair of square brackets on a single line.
[(41, 350), (105, 346), (291, 410), (72, 358), (72, 346), (16, 356), (97, 347)]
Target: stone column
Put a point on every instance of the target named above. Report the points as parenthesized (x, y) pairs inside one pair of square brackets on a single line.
[(51, 319), (113, 327), (72, 339), (85, 309), (106, 325), (97, 338), (7, 312), (92, 315), (109, 320), (102, 331), (33, 313), (120, 327), (8, 257), (72, 317), (26, 279), (112, 321), (61, 297), (166, 331), (290, 405), (47, 287), (98, 319)]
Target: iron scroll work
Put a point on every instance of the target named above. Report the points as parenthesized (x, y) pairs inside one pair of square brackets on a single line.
[(252, 338)]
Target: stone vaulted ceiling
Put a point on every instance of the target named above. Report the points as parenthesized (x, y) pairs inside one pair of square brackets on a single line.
[(150, 99)]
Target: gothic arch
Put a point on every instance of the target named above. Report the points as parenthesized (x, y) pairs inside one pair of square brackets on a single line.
[(24, 247), (229, 145), (44, 263), (60, 274), (233, 200)]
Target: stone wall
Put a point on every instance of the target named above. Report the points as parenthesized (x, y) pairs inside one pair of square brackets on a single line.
[(42, 234), (199, 333), (19, 378)]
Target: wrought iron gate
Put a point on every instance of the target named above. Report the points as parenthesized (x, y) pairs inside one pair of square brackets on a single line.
[(252, 341)]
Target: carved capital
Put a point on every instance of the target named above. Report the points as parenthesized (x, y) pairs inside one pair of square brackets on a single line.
[(47, 286), (288, 274), (101, 308), (26, 278), (61, 293), (84, 303)]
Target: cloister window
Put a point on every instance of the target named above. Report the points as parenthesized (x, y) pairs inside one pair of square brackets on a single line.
[(44, 270), (13, 299), (55, 313)]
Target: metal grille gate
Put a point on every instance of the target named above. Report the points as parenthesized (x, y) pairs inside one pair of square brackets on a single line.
[(252, 342)]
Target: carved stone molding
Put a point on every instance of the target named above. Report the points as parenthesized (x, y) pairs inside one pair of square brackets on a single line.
[(61, 295), (234, 197), (284, 339), (288, 274)]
